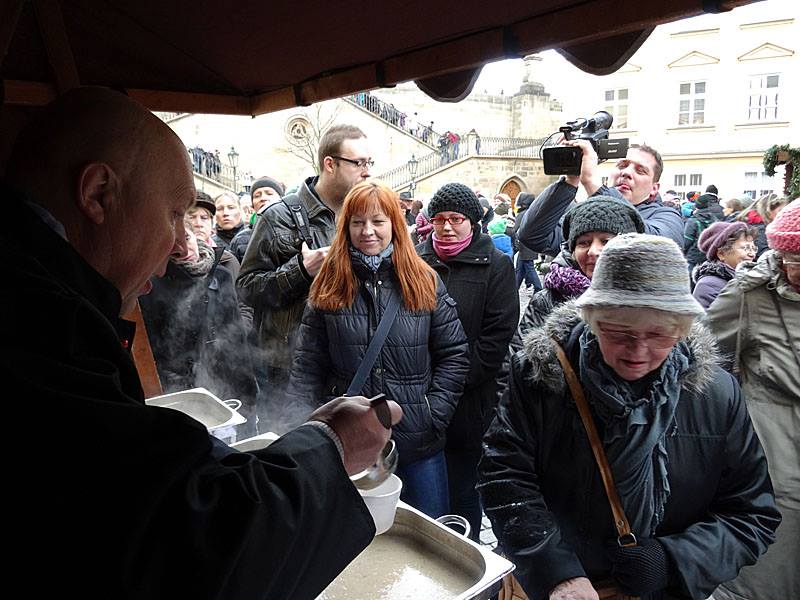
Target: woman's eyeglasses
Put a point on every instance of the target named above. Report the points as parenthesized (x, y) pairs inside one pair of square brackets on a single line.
[(440, 221), (362, 163), (654, 342)]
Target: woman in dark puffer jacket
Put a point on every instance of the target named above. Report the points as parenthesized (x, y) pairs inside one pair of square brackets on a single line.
[(423, 362)]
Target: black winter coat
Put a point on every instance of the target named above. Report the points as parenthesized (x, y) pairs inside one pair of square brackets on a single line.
[(542, 490), (142, 494), (197, 334), (273, 280), (240, 241), (422, 364), (695, 225), (482, 282)]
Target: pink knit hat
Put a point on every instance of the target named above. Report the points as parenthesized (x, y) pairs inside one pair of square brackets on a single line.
[(784, 232)]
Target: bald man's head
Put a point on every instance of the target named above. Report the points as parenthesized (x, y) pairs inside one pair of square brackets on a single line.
[(116, 177), (84, 125)]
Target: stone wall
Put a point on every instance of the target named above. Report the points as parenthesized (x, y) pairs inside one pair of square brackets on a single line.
[(488, 174)]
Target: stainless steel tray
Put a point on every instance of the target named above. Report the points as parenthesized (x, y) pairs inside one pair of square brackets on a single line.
[(420, 558), (202, 405)]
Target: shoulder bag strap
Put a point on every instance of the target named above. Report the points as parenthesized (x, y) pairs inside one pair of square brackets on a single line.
[(626, 537), (375, 346), (300, 216)]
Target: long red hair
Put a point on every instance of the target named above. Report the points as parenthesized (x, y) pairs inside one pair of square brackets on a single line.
[(335, 285)]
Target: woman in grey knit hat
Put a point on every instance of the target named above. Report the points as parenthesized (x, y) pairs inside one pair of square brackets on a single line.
[(688, 467)]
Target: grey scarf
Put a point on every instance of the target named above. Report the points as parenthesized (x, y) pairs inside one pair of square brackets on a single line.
[(636, 427), (202, 265), (373, 263)]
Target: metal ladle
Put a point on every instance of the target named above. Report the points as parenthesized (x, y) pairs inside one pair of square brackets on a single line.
[(375, 475)]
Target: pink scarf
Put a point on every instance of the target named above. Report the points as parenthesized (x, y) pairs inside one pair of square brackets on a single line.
[(446, 249)]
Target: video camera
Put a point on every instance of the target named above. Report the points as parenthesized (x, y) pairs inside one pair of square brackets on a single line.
[(566, 160)]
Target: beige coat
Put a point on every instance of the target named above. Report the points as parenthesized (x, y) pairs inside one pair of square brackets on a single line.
[(757, 320)]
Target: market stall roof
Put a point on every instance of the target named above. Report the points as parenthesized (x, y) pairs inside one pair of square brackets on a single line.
[(258, 57)]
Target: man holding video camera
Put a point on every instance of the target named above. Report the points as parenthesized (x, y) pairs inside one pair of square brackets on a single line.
[(634, 178)]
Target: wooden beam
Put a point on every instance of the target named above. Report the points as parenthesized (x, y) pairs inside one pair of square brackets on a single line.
[(28, 93), (272, 101), (9, 15), (194, 103), (59, 52), (338, 84)]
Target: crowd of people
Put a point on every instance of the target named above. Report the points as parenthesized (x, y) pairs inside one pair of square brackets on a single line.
[(458, 346), (658, 349)]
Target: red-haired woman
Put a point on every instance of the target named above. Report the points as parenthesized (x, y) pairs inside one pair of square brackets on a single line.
[(423, 362)]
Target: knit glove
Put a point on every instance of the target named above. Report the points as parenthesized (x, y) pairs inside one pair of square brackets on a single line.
[(640, 569)]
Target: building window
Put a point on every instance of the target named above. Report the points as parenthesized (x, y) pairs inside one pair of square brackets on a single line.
[(695, 180), (617, 107), (757, 184), (692, 104), (763, 93), (679, 186)]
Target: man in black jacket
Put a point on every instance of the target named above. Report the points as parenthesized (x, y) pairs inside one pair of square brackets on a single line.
[(135, 501), (282, 260)]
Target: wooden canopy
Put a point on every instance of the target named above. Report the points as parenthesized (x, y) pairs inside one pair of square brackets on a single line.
[(250, 58)]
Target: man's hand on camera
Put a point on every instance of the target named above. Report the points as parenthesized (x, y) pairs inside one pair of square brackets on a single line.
[(359, 429), (589, 177)]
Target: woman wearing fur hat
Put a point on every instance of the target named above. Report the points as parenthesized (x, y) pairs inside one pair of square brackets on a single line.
[(682, 454), (725, 245), (757, 321), (422, 363), (481, 280)]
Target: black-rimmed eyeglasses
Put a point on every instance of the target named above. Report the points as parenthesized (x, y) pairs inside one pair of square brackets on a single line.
[(361, 163)]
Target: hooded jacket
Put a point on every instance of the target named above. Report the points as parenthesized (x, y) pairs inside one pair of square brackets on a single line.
[(421, 366), (273, 280), (711, 277), (542, 490), (757, 321)]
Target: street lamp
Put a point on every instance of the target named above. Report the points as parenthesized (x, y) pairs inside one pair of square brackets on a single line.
[(233, 161), (413, 164)]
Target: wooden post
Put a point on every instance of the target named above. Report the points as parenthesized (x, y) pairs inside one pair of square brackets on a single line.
[(143, 356)]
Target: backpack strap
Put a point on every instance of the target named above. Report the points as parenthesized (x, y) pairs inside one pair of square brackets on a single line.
[(300, 217)]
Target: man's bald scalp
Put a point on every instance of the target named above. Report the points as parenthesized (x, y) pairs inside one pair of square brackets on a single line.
[(84, 125)]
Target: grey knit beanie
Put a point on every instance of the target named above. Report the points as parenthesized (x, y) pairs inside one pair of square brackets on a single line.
[(456, 197), (265, 181), (601, 213), (642, 271)]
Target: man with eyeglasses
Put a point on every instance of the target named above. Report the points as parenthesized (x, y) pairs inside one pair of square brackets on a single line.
[(289, 243), (634, 178)]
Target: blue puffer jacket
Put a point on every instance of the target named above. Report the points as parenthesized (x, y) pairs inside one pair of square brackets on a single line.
[(422, 366)]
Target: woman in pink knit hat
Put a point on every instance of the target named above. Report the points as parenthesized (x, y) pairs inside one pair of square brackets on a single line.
[(757, 321)]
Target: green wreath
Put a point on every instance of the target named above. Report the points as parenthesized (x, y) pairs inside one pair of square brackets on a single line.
[(792, 184)]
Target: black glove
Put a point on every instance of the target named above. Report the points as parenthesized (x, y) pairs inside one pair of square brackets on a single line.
[(640, 569)]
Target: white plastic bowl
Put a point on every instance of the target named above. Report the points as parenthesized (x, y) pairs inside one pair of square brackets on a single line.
[(382, 502)]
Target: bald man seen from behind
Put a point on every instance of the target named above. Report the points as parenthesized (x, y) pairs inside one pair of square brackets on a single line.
[(110, 498)]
